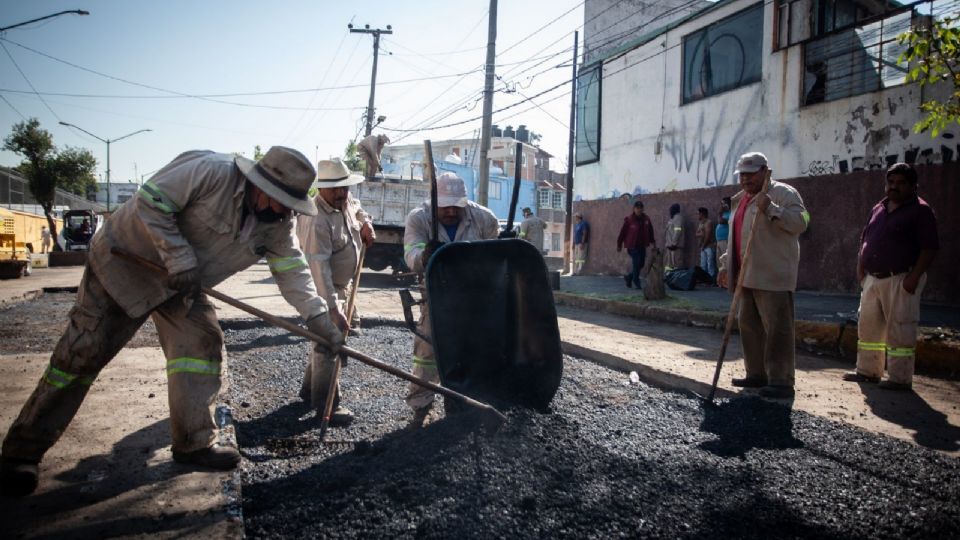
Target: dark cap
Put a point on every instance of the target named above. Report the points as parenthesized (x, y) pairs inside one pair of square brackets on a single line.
[(638, 204)]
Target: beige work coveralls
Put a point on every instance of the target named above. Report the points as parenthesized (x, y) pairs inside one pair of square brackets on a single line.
[(673, 236), (478, 223), (531, 230), (331, 242), (189, 215)]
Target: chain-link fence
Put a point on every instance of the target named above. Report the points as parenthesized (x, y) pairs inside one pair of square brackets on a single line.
[(15, 195)]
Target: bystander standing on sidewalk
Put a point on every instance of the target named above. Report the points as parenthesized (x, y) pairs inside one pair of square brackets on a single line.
[(636, 235), (896, 248), (707, 242), (581, 243), (769, 275), (45, 240), (722, 230), (673, 240)]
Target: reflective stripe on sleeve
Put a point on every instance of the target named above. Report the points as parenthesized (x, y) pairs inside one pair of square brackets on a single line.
[(61, 379), (416, 245), (150, 193), (806, 217), (422, 362), (285, 264), (193, 365)]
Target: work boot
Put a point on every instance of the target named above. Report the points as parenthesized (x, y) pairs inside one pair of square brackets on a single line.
[(419, 418), (748, 382), (341, 417), (777, 392), (854, 376), (629, 279), (218, 457), (18, 477)]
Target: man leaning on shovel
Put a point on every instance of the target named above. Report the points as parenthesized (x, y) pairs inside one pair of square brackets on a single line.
[(204, 217)]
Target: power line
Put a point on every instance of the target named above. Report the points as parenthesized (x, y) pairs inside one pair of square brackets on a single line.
[(24, 75), (4, 98)]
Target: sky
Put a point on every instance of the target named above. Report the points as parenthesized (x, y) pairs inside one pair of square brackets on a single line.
[(230, 75)]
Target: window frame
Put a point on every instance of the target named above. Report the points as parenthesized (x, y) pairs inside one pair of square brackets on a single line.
[(595, 71)]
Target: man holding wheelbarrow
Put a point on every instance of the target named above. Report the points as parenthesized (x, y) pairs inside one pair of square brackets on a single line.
[(767, 220), (202, 218)]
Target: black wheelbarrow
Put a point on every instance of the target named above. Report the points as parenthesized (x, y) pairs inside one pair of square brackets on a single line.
[(494, 323)]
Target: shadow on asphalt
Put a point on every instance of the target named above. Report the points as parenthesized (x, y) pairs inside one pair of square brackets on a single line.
[(743, 424), (907, 409)]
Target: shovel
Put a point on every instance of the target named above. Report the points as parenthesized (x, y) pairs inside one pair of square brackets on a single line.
[(493, 418)]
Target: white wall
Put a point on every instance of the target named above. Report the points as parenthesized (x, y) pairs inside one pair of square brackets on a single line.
[(702, 140)]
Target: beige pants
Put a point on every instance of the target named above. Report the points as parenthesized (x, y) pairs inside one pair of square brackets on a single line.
[(320, 369), (579, 257), (98, 329), (887, 328), (767, 336), (672, 259), (424, 363)]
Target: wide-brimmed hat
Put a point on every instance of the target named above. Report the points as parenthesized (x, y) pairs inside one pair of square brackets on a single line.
[(451, 191), (333, 173), (751, 162), (285, 175)]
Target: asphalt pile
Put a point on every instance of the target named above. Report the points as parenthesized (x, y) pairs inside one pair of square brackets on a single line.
[(611, 459)]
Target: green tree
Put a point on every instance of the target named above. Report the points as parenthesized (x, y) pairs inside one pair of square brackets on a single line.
[(257, 153), (933, 53), (46, 169), (351, 157)]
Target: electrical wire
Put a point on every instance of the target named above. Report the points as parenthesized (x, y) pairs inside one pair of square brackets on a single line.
[(30, 84), (5, 100)]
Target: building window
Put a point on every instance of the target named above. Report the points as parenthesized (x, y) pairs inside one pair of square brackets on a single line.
[(543, 198), (554, 241), (558, 200), (588, 114), (493, 190), (855, 60), (723, 56)]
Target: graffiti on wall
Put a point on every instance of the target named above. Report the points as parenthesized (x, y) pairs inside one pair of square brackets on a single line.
[(912, 155)]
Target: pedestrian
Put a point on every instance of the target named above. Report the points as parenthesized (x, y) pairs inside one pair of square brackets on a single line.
[(205, 216), (460, 220), (896, 248), (636, 234), (707, 242), (45, 239), (531, 229), (331, 242), (770, 274), (722, 230), (581, 242), (673, 240)]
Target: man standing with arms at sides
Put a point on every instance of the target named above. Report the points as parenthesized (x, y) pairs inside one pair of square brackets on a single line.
[(673, 240), (722, 233), (205, 216), (770, 274), (531, 229), (708, 245), (331, 243), (45, 239), (460, 220), (581, 243), (636, 235), (896, 249)]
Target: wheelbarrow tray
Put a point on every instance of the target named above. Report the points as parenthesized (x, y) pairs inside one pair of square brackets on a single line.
[(494, 324)]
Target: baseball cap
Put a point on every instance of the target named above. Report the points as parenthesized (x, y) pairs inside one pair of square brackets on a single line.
[(751, 162), (451, 191)]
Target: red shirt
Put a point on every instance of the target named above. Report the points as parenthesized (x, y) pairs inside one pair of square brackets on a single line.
[(636, 232), (737, 226)]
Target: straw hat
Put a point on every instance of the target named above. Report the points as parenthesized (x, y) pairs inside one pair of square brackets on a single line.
[(333, 173)]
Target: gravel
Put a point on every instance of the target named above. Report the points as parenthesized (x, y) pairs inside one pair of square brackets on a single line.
[(612, 459)]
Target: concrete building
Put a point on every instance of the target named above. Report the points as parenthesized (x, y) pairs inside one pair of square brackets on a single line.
[(119, 193), (814, 84)]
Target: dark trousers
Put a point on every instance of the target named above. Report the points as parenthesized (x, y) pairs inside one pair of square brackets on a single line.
[(637, 259)]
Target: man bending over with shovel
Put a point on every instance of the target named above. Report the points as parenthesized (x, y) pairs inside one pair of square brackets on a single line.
[(204, 217)]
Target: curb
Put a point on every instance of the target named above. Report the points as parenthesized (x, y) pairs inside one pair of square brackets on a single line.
[(838, 340)]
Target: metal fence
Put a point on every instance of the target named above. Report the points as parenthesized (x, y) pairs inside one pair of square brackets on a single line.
[(15, 195)]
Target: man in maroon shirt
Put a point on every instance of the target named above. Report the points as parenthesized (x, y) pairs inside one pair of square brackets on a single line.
[(896, 248), (636, 235)]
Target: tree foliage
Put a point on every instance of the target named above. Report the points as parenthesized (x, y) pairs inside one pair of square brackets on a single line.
[(46, 168), (351, 157), (933, 53)]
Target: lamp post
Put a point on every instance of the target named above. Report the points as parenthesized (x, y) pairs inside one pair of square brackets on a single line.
[(74, 11), (108, 141)]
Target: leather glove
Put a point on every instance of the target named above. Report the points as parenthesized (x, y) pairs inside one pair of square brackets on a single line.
[(512, 233), (323, 326), (187, 282), (432, 246)]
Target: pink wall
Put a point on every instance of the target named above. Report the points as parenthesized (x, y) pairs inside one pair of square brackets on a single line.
[(839, 206)]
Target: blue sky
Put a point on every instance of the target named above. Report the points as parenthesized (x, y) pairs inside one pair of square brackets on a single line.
[(296, 52)]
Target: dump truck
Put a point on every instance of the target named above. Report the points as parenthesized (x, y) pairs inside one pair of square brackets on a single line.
[(19, 240), (388, 199)]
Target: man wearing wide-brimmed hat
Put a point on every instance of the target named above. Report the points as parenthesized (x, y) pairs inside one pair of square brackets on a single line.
[(204, 217), (331, 243)]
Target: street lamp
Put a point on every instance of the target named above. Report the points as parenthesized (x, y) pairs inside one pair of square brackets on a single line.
[(108, 141), (74, 11)]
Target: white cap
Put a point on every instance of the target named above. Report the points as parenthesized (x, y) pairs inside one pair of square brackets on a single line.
[(751, 162), (451, 191)]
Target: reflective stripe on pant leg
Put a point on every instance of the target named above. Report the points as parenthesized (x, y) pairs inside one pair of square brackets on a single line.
[(424, 365), (871, 330), (98, 328), (192, 342), (902, 330)]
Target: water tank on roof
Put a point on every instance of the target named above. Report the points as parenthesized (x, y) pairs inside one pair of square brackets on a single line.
[(508, 132), (522, 134), (495, 131)]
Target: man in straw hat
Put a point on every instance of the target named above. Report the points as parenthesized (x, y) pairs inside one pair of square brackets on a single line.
[(205, 216), (331, 243), (460, 220)]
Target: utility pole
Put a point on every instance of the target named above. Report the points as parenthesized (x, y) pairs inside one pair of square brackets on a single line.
[(484, 182), (373, 78), (568, 241)]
